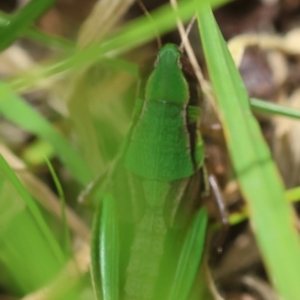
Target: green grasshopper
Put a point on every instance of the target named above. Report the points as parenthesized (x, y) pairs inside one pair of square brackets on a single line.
[(149, 230)]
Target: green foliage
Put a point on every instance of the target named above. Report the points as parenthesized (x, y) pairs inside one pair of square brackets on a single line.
[(22, 19), (27, 244), (26, 117)]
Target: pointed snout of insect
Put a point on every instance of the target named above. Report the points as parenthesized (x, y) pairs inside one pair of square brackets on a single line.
[(169, 53)]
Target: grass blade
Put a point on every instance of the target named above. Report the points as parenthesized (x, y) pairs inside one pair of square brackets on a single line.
[(105, 251), (273, 108), (109, 257), (10, 175), (66, 235), (191, 254), (131, 35), (26, 117), (24, 18), (256, 172), (39, 36)]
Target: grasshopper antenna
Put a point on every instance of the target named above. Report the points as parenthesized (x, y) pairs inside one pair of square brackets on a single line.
[(148, 15)]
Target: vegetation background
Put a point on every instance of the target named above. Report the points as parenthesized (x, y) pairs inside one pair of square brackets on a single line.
[(69, 77)]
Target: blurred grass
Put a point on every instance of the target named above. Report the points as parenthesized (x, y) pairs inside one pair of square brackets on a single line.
[(130, 35), (18, 111), (22, 19), (37, 35), (61, 195), (28, 243), (8, 174)]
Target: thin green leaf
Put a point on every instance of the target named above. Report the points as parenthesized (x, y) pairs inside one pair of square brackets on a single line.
[(39, 36), (273, 108), (131, 35), (256, 172), (19, 112), (22, 19), (36, 215), (105, 251), (109, 257), (191, 254), (61, 195)]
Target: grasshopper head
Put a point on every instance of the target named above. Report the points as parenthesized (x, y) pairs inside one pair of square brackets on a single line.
[(167, 82)]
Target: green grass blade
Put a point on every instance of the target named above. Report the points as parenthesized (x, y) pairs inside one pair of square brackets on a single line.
[(19, 112), (105, 251), (273, 108), (27, 260), (22, 19), (95, 253), (256, 172), (36, 215), (109, 257), (48, 40), (131, 35), (38, 36), (61, 195), (191, 255)]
